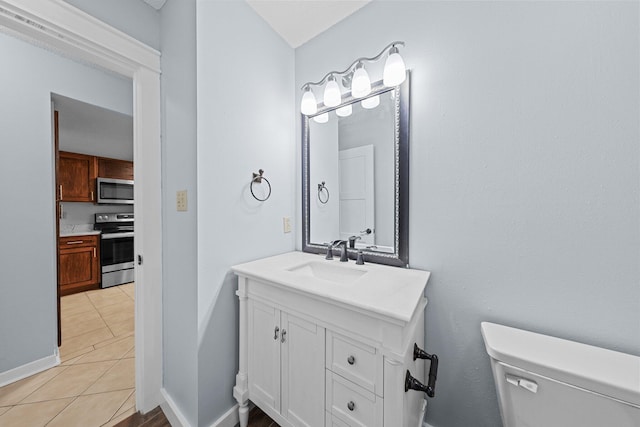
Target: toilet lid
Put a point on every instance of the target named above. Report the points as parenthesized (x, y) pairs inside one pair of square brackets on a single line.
[(603, 371)]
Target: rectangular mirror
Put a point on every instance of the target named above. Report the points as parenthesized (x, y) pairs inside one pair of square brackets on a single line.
[(355, 174)]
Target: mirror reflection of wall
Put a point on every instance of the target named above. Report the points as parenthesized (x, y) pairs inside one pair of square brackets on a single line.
[(355, 157)]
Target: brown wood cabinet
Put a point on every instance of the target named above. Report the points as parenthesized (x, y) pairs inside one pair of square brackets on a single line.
[(79, 264), (114, 168), (76, 177)]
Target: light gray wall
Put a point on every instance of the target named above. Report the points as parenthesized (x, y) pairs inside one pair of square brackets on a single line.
[(524, 200), (246, 119), (179, 244), (27, 218), (133, 17)]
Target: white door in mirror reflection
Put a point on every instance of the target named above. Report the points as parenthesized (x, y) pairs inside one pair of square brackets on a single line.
[(357, 204)]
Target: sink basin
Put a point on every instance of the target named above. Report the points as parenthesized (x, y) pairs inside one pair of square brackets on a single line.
[(329, 271)]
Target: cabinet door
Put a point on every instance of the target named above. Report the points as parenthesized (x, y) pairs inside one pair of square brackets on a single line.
[(79, 269), (264, 354), (114, 168), (76, 177), (303, 372)]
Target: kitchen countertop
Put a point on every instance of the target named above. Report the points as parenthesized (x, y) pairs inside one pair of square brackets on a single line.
[(71, 230), (391, 291)]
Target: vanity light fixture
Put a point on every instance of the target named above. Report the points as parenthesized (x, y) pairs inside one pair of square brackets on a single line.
[(344, 111), (357, 77), (309, 105), (371, 102), (332, 95)]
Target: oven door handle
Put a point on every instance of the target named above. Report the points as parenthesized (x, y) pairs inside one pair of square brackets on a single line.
[(117, 235)]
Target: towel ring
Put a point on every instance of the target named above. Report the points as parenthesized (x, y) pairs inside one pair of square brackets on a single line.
[(326, 190), (257, 177)]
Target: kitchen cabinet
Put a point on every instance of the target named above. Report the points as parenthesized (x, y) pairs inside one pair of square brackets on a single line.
[(76, 177), (331, 351), (114, 168), (286, 364), (79, 264)]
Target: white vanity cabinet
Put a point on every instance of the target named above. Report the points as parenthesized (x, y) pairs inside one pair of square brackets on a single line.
[(324, 343), (286, 364)]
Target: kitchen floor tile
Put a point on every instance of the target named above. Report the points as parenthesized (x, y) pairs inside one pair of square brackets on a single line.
[(103, 297), (81, 323), (65, 358), (131, 353), (14, 393), (120, 376), (5, 409), (113, 351), (112, 340), (73, 344), (90, 411), (130, 403), (120, 417), (122, 328), (33, 414), (77, 379), (129, 289)]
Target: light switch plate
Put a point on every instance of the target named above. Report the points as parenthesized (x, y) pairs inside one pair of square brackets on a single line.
[(286, 224), (181, 200)]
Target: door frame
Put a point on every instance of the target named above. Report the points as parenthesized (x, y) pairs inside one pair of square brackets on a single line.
[(60, 27)]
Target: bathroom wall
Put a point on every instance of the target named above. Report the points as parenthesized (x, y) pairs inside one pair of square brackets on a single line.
[(27, 218), (525, 180), (134, 17), (180, 234), (246, 119)]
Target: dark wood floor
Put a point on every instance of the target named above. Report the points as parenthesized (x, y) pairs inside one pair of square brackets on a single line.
[(156, 418)]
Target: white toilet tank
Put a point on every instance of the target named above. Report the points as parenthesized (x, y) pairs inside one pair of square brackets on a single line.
[(544, 381)]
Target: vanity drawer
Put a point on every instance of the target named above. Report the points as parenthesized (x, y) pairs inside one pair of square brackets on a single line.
[(354, 361), (331, 421), (351, 404)]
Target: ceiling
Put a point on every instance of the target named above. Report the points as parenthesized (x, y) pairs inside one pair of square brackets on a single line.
[(156, 4), (298, 21)]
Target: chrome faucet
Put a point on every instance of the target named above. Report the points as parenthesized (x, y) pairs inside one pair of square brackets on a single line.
[(352, 241), (343, 250)]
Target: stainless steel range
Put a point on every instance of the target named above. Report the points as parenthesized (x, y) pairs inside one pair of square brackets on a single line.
[(116, 248)]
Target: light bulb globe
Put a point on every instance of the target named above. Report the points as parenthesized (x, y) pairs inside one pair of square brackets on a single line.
[(322, 118), (371, 102), (332, 95), (344, 111), (395, 71), (361, 84), (308, 105)]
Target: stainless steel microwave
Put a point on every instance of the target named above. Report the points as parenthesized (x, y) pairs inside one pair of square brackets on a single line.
[(115, 191)]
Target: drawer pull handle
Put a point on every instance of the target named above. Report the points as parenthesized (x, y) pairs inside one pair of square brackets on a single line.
[(283, 336), (275, 333), (351, 405), (75, 242), (351, 360)]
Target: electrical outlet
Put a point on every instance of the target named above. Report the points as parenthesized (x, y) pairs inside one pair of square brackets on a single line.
[(181, 200), (286, 224)]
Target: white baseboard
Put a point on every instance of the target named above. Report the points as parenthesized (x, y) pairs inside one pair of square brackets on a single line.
[(175, 417), (228, 419), (24, 371)]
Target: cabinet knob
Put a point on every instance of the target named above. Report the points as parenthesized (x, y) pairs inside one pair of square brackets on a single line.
[(351, 405), (351, 360), (275, 333)]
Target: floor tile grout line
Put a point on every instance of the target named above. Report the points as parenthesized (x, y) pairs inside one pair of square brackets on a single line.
[(44, 383), (125, 401), (66, 406)]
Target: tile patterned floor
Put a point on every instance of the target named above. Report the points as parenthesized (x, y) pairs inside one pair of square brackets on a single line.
[(94, 384)]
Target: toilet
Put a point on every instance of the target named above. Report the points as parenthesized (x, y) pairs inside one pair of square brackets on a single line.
[(544, 381)]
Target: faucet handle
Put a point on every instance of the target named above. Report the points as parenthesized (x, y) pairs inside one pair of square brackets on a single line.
[(360, 259), (329, 251)]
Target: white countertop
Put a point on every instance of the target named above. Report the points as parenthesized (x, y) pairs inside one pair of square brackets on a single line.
[(390, 291), (79, 233), (71, 230)]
